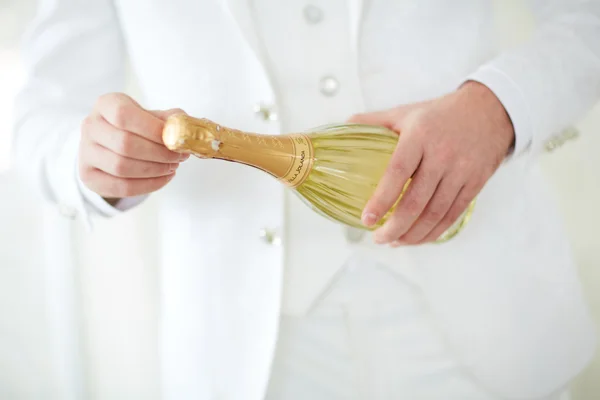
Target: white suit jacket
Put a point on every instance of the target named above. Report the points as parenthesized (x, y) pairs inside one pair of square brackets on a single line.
[(505, 292)]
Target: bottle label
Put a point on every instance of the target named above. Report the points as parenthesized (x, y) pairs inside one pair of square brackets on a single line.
[(302, 161)]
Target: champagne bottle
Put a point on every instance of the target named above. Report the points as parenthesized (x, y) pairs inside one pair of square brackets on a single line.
[(334, 168)]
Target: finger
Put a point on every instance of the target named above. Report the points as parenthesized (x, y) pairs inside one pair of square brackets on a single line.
[(164, 114), (389, 118), (384, 118), (128, 144), (460, 204), (436, 209), (114, 164), (124, 113), (413, 202), (109, 186), (402, 165)]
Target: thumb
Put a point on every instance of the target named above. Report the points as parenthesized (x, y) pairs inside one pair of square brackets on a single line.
[(391, 118), (164, 114), (380, 118)]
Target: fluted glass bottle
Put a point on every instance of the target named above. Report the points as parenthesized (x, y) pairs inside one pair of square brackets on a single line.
[(334, 169)]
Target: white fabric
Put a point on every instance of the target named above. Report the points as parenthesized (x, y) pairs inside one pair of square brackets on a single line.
[(369, 337), (504, 293), (333, 57)]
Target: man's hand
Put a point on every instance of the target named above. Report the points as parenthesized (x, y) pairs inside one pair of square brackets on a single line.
[(121, 152), (450, 147)]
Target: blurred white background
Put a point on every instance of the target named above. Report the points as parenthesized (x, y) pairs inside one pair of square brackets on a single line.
[(87, 329)]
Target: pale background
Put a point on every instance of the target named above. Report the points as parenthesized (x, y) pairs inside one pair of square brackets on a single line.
[(87, 330)]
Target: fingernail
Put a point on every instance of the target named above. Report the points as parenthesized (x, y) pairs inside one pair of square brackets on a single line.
[(397, 243), (369, 219), (184, 157), (173, 167)]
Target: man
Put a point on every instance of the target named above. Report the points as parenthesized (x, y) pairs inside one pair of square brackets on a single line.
[(262, 298)]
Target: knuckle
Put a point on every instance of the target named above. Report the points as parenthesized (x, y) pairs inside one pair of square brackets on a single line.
[(118, 97), (87, 123), (107, 99), (420, 128), (101, 101), (420, 123)]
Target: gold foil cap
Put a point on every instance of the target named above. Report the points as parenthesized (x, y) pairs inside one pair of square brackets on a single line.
[(185, 134)]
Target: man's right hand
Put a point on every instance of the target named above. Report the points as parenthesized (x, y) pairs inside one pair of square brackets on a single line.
[(121, 152)]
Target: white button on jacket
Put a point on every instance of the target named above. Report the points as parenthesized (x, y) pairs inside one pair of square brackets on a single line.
[(504, 292), (313, 14)]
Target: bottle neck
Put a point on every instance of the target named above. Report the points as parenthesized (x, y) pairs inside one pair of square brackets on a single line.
[(289, 158)]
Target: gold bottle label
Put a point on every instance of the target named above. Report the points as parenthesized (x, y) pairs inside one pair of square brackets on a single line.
[(301, 161)]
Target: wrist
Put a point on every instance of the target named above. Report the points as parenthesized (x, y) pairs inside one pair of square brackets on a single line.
[(487, 105)]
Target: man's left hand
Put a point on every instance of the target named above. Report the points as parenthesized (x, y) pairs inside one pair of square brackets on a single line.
[(450, 147)]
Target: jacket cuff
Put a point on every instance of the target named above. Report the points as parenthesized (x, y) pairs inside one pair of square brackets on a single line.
[(512, 98)]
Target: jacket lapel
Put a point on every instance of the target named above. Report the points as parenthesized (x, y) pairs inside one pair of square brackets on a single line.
[(356, 10), (242, 12)]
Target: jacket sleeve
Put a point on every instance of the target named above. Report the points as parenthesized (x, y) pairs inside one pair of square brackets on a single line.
[(73, 52), (553, 78)]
